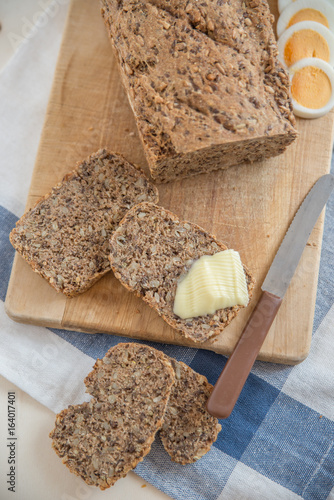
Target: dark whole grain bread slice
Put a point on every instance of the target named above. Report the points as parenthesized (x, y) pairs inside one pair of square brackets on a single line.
[(101, 441), (188, 430), (65, 237), (203, 80), (151, 250)]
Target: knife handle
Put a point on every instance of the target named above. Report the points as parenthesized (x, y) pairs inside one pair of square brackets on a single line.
[(234, 375)]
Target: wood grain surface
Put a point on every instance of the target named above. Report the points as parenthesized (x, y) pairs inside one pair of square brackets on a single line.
[(248, 207)]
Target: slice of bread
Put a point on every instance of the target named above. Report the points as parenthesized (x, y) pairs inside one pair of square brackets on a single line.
[(188, 430), (101, 441), (65, 237), (151, 250)]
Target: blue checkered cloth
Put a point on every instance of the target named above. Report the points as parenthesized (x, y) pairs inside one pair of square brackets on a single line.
[(278, 442)]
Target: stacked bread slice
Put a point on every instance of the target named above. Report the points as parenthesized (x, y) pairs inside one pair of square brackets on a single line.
[(136, 391)]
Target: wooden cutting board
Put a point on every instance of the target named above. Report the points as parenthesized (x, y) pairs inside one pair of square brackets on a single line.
[(248, 207)]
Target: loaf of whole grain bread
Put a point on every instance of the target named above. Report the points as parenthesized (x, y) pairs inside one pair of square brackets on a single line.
[(149, 252), (65, 237), (203, 80), (101, 441)]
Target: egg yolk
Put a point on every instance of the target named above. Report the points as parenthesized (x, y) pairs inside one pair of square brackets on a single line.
[(311, 87), (305, 43), (309, 15)]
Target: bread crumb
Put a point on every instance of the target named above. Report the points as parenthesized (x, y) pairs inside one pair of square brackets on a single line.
[(143, 485)]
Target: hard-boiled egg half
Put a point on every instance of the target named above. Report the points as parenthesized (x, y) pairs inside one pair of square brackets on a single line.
[(306, 39), (319, 11), (312, 84)]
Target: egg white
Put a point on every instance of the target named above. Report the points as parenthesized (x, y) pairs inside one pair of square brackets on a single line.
[(283, 3), (322, 30), (290, 10), (302, 111)]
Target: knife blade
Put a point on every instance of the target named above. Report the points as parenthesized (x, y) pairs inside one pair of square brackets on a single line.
[(234, 375)]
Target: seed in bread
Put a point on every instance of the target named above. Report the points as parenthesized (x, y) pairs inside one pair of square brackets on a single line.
[(203, 80), (65, 237), (151, 250), (101, 441), (188, 430)]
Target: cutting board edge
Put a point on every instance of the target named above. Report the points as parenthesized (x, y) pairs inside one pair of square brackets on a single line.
[(286, 359), (22, 319)]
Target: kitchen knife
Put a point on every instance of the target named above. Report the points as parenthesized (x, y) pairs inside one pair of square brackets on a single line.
[(233, 377)]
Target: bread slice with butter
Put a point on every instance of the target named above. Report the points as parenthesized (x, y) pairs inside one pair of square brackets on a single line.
[(152, 250)]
